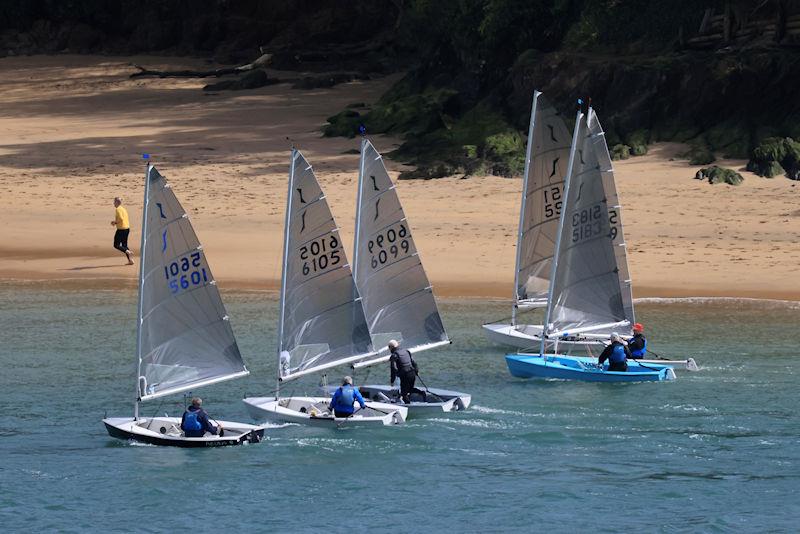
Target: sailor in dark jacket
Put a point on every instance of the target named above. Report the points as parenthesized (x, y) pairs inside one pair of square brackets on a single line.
[(616, 353), (195, 423), (638, 343), (402, 365)]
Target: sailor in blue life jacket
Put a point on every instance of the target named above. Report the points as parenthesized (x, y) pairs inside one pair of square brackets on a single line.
[(616, 353), (402, 365), (344, 399), (195, 423), (638, 344)]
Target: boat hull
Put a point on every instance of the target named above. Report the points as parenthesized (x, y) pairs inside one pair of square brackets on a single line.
[(528, 337), (313, 411), (165, 431), (583, 369), (439, 400)]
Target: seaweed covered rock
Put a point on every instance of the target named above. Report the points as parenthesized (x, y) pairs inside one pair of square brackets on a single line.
[(506, 152), (719, 175), (343, 124), (620, 152), (638, 141), (774, 156), (699, 153)]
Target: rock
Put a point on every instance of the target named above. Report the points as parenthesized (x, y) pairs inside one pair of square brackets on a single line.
[(343, 124), (774, 156), (326, 80), (620, 152), (719, 175), (699, 153), (638, 141)]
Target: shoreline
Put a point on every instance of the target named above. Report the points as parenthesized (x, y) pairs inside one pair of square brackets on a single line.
[(486, 291)]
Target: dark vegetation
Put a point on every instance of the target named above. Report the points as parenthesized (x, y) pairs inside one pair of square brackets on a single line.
[(721, 75), (719, 175)]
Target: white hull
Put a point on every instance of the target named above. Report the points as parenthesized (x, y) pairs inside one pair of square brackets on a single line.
[(439, 400), (314, 411), (528, 337), (166, 431)]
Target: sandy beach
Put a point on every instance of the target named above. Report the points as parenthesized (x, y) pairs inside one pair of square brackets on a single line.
[(73, 128)]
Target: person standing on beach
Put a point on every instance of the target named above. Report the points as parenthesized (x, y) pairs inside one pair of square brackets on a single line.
[(123, 225)]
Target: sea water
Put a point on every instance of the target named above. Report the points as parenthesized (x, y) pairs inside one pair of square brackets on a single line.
[(717, 450)]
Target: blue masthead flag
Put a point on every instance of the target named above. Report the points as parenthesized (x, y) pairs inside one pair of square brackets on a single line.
[(145, 156)]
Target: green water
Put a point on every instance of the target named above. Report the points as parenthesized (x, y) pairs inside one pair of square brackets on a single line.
[(716, 451)]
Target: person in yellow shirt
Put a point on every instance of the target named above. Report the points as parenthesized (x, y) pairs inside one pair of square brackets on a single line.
[(123, 225)]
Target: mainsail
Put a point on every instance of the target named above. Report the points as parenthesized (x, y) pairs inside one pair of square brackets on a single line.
[(545, 167), (185, 339), (600, 147), (397, 296), (322, 322), (585, 290)]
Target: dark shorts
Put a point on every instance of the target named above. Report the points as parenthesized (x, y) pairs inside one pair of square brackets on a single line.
[(337, 413), (617, 366), (121, 240)]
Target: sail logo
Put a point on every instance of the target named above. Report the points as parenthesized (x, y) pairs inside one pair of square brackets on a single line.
[(374, 185), (377, 211), (552, 133), (164, 241), (161, 210), (555, 167)]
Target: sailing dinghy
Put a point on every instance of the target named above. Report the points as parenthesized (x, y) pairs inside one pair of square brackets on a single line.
[(184, 339), (587, 290), (546, 161), (397, 296), (321, 319)]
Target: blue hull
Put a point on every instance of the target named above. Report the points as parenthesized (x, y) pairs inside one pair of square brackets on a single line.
[(583, 369)]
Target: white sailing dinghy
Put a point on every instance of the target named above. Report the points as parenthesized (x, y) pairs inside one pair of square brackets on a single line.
[(321, 319), (184, 339), (395, 292)]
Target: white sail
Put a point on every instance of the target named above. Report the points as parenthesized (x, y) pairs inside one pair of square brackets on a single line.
[(397, 296), (322, 322), (184, 339), (598, 144), (585, 292), (545, 167)]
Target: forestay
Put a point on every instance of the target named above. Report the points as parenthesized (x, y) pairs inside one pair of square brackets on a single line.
[(397, 296), (322, 322), (598, 144), (185, 338), (545, 166), (586, 290)]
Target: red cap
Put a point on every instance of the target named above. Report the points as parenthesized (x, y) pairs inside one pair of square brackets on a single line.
[(638, 327)]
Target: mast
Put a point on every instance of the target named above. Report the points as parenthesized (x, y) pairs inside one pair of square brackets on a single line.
[(142, 253), (521, 228), (562, 218), (284, 268), (358, 211)]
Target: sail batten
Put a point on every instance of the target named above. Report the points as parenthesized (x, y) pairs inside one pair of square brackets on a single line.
[(322, 321), (184, 338), (395, 290)]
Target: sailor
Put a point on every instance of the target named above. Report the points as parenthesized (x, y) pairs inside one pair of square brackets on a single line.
[(638, 344), (195, 423), (616, 353), (344, 399), (402, 365)]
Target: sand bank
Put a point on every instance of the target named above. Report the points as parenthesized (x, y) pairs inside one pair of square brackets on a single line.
[(72, 130)]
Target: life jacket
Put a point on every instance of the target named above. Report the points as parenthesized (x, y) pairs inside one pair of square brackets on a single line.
[(643, 350), (404, 361), (346, 399), (617, 354), (191, 422)]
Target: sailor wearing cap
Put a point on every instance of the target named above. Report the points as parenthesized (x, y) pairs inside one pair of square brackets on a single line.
[(616, 353)]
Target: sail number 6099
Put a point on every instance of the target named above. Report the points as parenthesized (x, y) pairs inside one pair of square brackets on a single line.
[(388, 245)]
